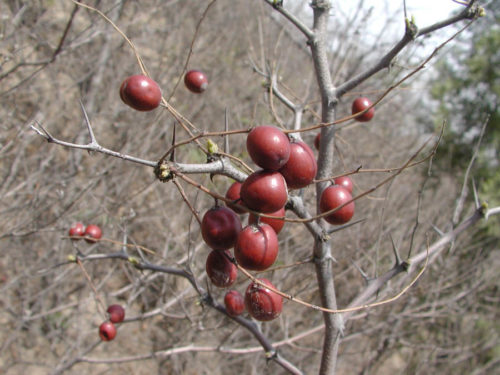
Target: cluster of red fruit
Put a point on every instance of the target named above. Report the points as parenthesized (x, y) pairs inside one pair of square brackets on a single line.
[(107, 330), (144, 94), (285, 165), (91, 233), (255, 248)]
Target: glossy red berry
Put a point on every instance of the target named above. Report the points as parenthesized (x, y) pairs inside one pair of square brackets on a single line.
[(76, 230), (344, 181), (257, 247), (333, 197), (360, 104), (233, 193), (220, 228), (300, 169), (276, 224), (262, 303), (140, 92), (220, 270), (196, 81), (264, 191), (268, 147), (317, 140), (116, 313), (92, 233), (107, 331), (234, 302)]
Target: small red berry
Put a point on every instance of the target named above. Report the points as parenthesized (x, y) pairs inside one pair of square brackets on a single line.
[(196, 81), (116, 313), (233, 193), (140, 92), (276, 224), (264, 191), (235, 303), (107, 331), (345, 182), (300, 169), (268, 147), (257, 247), (317, 141), (262, 303), (221, 271), (220, 227), (333, 197), (92, 233), (360, 104), (77, 230)]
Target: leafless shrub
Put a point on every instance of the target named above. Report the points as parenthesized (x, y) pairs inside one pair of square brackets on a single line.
[(152, 257)]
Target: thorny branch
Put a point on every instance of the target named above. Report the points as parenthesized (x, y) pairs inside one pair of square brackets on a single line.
[(205, 298), (222, 165)]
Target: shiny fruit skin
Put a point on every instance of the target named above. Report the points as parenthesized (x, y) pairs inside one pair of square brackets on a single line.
[(116, 313), (317, 141), (233, 193), (344, 181), (220, 227), (107, 331), (300, 169), (257, 247), (276, 224), (360, 104), (196, 81), (268, 147), (76, 230), (264, 191), (140, 92), (333, 197), (262, 303), (220, 270), (234, 302), (92, 233)]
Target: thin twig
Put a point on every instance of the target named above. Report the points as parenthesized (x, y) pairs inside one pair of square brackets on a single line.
[(461, 200)]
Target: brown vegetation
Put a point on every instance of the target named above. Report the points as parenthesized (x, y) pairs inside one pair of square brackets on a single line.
[(49, 312)]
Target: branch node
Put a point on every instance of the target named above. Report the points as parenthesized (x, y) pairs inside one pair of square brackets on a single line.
[(484, 208), (134, 261), (162, 172), (411, 28), (475, 12), (339, 324), (212, 147), (277, 4), (207, 299), (405, 265), (325, 237), (271, 355)]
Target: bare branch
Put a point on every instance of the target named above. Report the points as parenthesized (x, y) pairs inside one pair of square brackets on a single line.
[(271, 352), (431, 251), (93, 146), (410, 34), (278, 6)]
